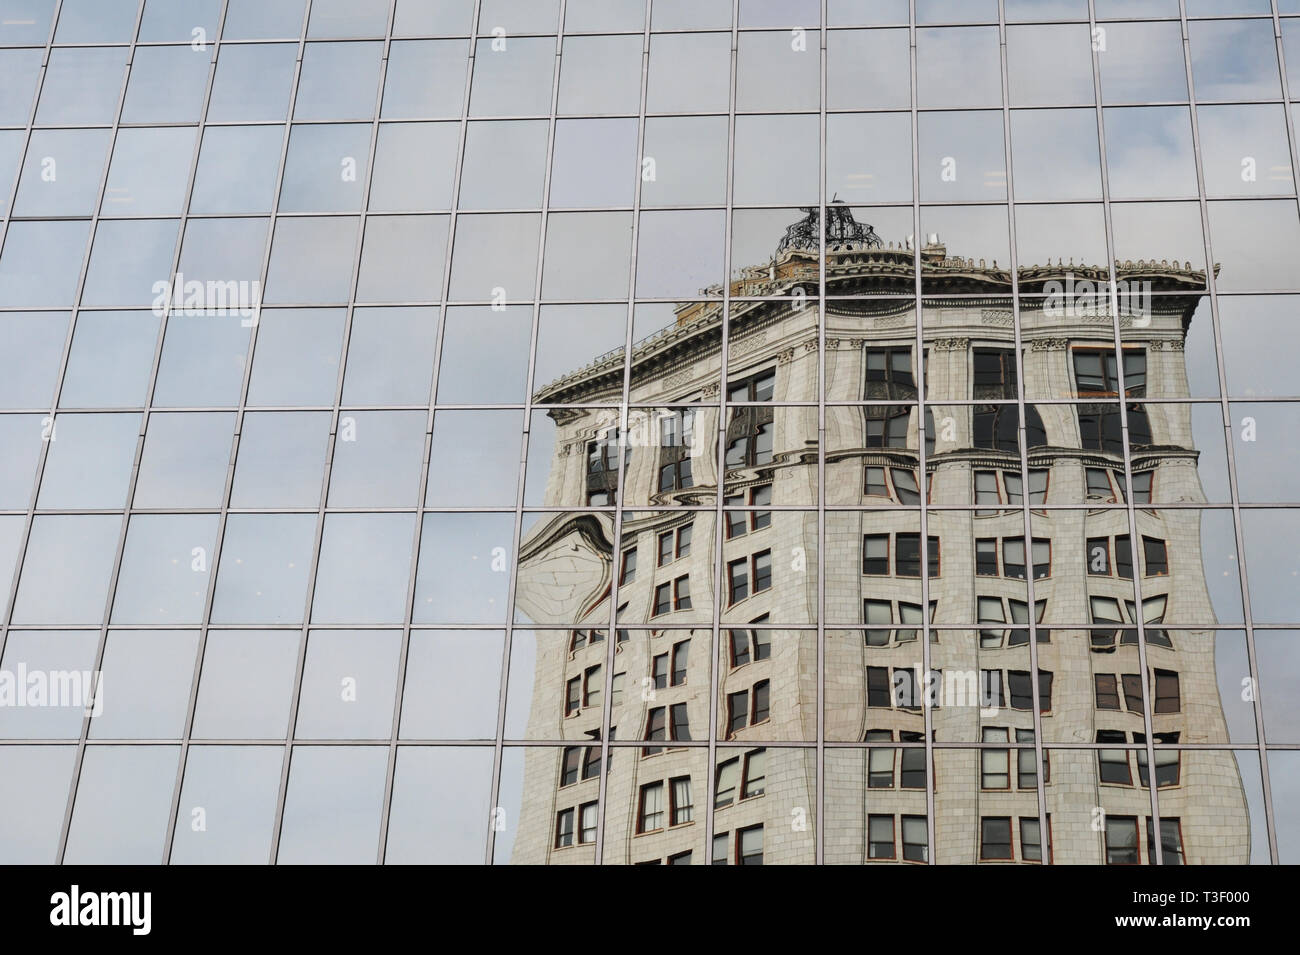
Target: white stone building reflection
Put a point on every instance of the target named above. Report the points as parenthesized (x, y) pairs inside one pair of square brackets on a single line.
[(1091, 682)]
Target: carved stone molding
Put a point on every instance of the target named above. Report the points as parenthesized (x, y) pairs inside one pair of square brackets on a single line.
[(1049, 344), (749, 344), (785, 357), (997, 316), (950, 344), (680, 378)]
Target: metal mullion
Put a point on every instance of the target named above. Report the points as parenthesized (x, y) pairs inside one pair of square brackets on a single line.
[(720, 452), (351, 306), (248, 370), (1023, 442), (1129, 504), (819, 851), (6, 618), (607, 700), (230, 463), (79, 761), (404, 643), (527, 433), (1233, 488), (425, 466), (922, 477)]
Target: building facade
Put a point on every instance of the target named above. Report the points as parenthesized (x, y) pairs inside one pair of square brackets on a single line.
[(976, 568), (602, 431)]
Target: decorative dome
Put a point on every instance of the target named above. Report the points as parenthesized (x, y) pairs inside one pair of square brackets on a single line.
[(841, 227)]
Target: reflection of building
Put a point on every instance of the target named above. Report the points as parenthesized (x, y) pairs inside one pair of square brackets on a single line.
[(1090, 689)]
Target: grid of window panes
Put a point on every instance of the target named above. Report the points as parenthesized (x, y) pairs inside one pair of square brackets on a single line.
[(286, 290)]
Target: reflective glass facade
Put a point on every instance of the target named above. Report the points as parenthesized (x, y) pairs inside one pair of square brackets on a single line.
[(649, 431)]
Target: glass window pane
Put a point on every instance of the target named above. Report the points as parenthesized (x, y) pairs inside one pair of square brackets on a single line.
[(265, 562), (689, 72), (41, 262), (441, 799), (430, 17), (97, 21), (202, 362), (349, 685), (377, 459), (485, 356), (777, 71), (962, 157), (12, 143), (1234, 60), (123, 803), (512, 81), (690, 161), (458, 676), (29, 367), (185, 460), (297, 356), (484, 444), (165, 567), (594, 164), (333, 805), (402, 259), (237, 169), (264, 19), (425, 79), (62, 172), (234, 790), (1143, 63), (390, 356), (89, 461), (519, 16), (322, 97), (505, 165), (82, 85), (146, 684), (1049, 65), (868, 69), (869, 157), (775, 160), (1055, 154), (173, 20), (281, 459), (149, 172), (167, 85), (312, 260), (67, 547), (463, 568), (680, 253), (12, 532), (130, 261), (599, 74), (1149, 152), (326, 168), (348, 18), (34, 783), (52, 651), (1244, 150), (415, 167), (363, 571), (588, 255), (21, 437), (29, 23), (958, 66), (246, 688), (253, 82)]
